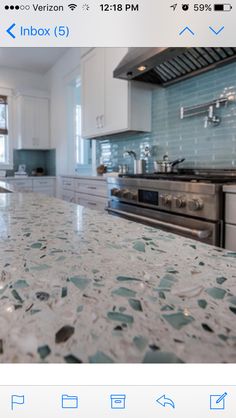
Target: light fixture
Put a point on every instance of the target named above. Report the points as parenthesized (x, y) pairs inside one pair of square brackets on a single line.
[(142, 68)]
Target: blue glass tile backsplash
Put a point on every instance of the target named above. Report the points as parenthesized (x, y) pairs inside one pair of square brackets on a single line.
[(34, 159), (212, 147)]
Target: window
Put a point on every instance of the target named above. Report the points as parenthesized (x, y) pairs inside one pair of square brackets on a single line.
[(83, 146), (4, 145)]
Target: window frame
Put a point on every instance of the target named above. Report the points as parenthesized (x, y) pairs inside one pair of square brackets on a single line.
[(70, 81), (8, 165)]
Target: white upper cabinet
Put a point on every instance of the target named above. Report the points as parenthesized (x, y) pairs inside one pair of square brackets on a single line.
[(93, 79), (32, 122), (109, 105)]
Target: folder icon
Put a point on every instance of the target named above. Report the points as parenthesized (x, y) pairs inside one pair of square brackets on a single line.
[(69, 402)]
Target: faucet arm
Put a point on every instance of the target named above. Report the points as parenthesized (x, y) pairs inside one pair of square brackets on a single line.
[(131, 153)]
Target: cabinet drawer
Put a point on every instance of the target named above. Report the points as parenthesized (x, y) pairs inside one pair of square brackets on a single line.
[(68, 195), (92, 187), (92, 202), (230, 208), (230, 237), (43, 183), (68, 183), (22, 185)]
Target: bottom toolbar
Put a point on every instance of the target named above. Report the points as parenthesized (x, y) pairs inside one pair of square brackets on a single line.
[(122, 401)]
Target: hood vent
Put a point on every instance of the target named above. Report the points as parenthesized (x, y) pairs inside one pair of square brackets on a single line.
[(165, 66)]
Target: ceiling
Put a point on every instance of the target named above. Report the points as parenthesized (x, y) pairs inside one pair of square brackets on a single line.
[(38, 60)]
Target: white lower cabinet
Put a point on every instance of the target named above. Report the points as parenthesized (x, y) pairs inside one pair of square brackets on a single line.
[(68, 195), (230, 237), (230, 218), (90, 201), (89, 192), (44, 185), (21, 185)]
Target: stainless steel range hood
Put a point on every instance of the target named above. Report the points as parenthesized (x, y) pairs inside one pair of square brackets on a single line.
[(165, 66)]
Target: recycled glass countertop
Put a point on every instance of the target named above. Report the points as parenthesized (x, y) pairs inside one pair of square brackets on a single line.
[(77, 285)]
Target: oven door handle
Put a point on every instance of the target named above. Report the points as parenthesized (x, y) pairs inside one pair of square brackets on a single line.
[(196, 233)]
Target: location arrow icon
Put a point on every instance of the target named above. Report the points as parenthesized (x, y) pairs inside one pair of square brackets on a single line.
[(9, 31), (164, 401)]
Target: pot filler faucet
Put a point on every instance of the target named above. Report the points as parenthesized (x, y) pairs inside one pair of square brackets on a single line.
[(131, 154)]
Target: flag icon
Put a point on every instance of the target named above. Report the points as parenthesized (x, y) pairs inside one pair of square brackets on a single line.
[(17, 400)]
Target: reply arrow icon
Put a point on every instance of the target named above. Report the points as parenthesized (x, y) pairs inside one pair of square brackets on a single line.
[(164, 401)]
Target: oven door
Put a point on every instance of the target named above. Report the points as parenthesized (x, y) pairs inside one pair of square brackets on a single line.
[(200, 230)]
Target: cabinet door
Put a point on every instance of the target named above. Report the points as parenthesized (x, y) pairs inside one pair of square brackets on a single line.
[(41, 123), (93, 77), (68, 195), (33, 123), (230, 237), (27, 122), (116, 93)]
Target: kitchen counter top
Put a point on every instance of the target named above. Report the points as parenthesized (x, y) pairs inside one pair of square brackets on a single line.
[(77, 176), (230, 188), (6, 187), (26, 177), (78, 285)]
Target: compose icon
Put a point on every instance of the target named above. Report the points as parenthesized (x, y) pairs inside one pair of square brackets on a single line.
[(218, 401), (69, 402), (118, 401), (17, 400)]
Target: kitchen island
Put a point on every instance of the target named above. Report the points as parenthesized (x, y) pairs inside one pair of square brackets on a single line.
[(78, 285)]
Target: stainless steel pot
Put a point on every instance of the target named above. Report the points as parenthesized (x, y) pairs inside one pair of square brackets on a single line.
[(123, 169), (139, 166), (166, 166)]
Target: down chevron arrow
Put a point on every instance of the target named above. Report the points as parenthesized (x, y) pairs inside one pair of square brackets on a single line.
[(216, 32)]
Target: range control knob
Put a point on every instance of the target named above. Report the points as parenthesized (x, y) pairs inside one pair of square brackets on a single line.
[(195, 204), (180, 202), (115, 192), (165, 199), (126, 194)]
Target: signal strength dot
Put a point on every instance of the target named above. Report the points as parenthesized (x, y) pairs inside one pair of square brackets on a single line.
[(72, 6)]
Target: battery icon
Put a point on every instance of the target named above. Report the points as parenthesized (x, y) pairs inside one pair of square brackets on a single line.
[(225, 7)]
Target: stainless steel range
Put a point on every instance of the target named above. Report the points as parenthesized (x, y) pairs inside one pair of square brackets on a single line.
[(188, 203)]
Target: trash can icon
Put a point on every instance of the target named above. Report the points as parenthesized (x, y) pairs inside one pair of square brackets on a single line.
[(118, 401)]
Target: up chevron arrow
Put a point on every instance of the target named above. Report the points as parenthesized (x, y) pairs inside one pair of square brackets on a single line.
[(216, 32), (186, 29)]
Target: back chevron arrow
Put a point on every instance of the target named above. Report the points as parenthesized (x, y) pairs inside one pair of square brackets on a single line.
[(9, 31), (163, 401)]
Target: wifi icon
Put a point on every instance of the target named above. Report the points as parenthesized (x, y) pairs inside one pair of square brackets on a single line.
[(72, 6)]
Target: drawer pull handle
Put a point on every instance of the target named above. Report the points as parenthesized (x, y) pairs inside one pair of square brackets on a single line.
[(92, 187)]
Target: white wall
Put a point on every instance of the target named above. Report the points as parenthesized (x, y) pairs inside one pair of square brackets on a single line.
[(59, 78), (21, 80)]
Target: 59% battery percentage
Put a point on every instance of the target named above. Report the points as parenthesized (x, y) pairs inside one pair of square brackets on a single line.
[(202, 7)]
